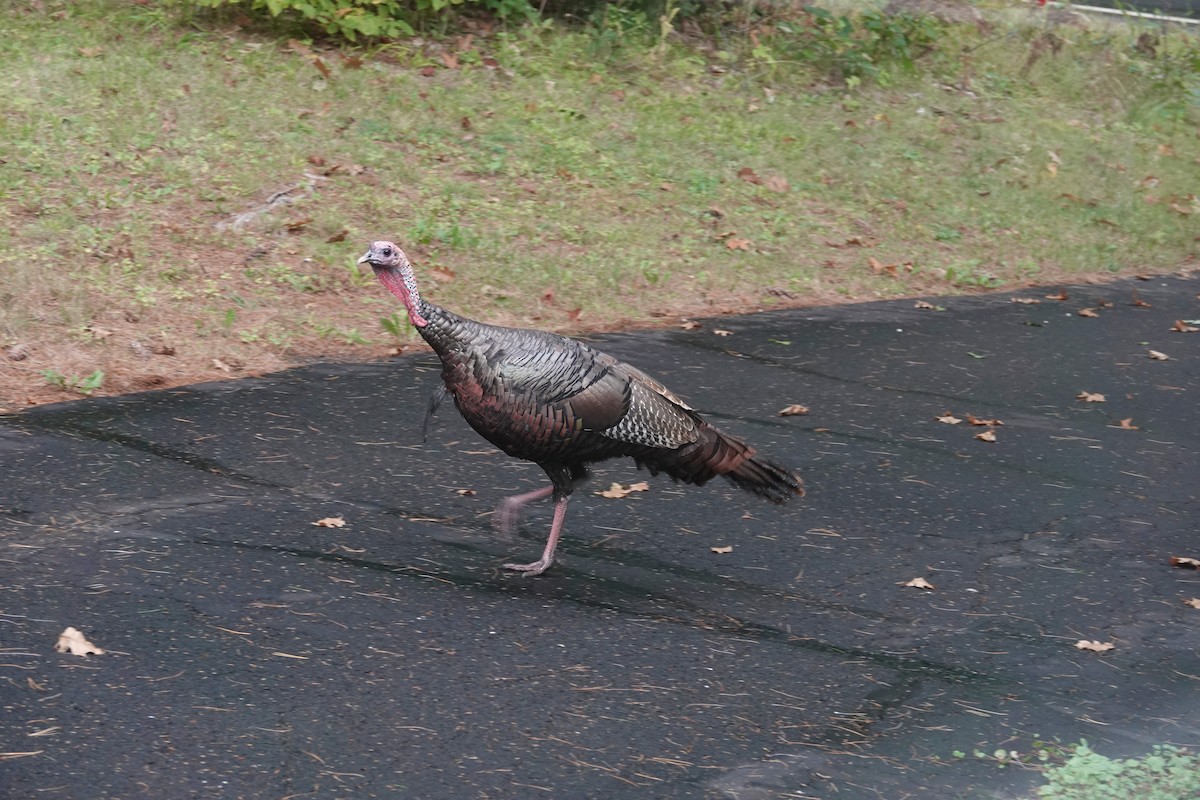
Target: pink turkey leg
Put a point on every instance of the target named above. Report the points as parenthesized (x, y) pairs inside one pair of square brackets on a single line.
[(543, 563), (508, 513)]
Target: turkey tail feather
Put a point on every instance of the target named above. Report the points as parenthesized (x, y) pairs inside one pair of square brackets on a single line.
[(717, 453), (765, 479)]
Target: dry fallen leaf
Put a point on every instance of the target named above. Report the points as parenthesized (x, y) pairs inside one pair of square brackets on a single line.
[(1095, 647), (330, 522), (466, 492), (722, 550), (1157, 356), (917, 583), (734, 243), (720, 332), (616, 490), (1182, 327), (1125, 424), (880, 268), (689, 325), (925, 305), (1026, 301), (1061, 296), (1090, 397), (986, 436), (1184, 561), (793, 410), (1194, 602), (949, 419), (72, 641), (1087, 312), (991, 423)]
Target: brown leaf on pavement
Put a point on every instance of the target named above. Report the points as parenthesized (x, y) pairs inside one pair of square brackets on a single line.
[(73, 642), (1087, 312), (1182, 327), (1125, 424), (987, 436), (991, 423), (949, 419), (330, 522), (1025, 301), (793, 410), (1157, 356), (617, 491), (1194, 602), (723, 549), (1090, 397), (917, 583), (1095, 647), (1061, 296), (1185, 562)]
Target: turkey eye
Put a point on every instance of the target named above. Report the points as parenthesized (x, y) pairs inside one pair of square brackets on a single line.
[(387, 251)]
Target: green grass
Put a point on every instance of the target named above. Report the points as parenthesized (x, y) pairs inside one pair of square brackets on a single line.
[(594, 165)]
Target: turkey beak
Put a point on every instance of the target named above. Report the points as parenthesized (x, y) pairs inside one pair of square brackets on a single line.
[(366, 259)]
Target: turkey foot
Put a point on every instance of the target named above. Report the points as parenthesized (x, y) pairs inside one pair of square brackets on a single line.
[(536, 568), (543, 563)]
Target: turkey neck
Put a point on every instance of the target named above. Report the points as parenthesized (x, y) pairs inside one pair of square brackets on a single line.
[(401, 282), (446, 332)]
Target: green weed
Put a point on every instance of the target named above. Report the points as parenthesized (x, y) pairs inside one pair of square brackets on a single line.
[(84, 385), (1166, 773)]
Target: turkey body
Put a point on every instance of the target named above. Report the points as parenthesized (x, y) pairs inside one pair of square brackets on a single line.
[(562, 404)]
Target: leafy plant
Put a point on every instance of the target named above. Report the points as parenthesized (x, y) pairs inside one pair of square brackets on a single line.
[(349, 19), (371, 19), (1166, 773), (852, 47), (395, 324), (82, 385)]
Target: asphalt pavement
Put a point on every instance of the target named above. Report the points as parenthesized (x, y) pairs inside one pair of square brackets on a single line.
[(251, 653)]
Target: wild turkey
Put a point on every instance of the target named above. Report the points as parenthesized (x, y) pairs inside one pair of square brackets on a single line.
[(562, 404)]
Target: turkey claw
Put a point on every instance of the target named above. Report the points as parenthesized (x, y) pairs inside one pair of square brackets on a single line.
[(529, 570)]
